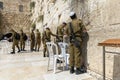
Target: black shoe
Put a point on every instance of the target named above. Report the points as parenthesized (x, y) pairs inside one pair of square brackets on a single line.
[(24, 50), (78, 71), (12, 52), (72, 70), (31, 50), (34, 50), (18, 51), (83, 69), (44, 55)]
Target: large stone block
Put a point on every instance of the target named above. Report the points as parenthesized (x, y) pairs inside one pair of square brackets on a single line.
[(116, 67)]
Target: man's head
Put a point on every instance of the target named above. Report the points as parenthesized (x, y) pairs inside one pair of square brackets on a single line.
[(21, 30), (47, 28), (37, 30), (31, 30), (64, 24), (73, 15)]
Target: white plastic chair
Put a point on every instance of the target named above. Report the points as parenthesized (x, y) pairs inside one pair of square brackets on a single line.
[(53, 55), (63, 47), (5, 46)]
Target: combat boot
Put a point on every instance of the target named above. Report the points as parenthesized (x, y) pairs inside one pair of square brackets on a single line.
[(18, 50), (44, 55), (83, 69), (78, 71), (24, 50), (13, 52), (21, 49), (72, 70)]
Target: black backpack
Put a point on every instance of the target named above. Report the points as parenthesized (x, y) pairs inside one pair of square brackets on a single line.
[(17, 36), (25, 37)]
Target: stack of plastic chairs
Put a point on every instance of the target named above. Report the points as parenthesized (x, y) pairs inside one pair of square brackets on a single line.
[(5, 46), (53, 54), (63, 47)]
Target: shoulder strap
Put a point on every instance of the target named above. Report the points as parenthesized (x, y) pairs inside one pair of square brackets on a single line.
[(71, 29), (46, 36)]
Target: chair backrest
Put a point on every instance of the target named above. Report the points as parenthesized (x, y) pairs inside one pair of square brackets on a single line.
[(4, 43), (52, 48), (63, 47), (4, 46)]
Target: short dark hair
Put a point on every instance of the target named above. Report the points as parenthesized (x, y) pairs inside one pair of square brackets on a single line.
[(73, 17), (64, 23), (48, 28)]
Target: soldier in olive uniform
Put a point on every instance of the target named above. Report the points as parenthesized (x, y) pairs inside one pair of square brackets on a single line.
[(22, 41), (75, 46), (37, 40), (46, 37), (32, 39), (60, 32), (15, 42)]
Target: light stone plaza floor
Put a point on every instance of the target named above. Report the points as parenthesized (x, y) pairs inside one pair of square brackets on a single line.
[(33, 66)]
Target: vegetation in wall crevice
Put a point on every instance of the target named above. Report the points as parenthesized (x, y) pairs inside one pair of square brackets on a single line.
[(32, 6), (33, 26), (40, 18)]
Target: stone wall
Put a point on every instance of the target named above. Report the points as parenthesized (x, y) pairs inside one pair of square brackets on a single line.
[(104, 24), (101, 18), (15, 21), (13, 18), (13, 6), (53, 15)]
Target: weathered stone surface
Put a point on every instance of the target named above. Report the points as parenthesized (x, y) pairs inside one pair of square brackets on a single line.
[(101, 18), (13, 18)]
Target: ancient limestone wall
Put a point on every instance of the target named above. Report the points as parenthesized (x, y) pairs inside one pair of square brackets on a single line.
[(15, 21), (12, 17), (54, 13), (104, 24), (13, 6), (101, 18)]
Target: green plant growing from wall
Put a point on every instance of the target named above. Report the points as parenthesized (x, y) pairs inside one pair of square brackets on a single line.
[(33, 26), (53, 1), (30, 14), (64, 0), (40, 18), (32, 5)]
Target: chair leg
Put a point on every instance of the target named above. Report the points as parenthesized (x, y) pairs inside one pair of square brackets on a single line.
[(63, 65), (55, 65), (67, 61), (48, 64), (53, 62)]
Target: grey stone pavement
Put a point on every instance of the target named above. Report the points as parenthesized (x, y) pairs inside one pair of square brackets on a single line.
[(33, 66)]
